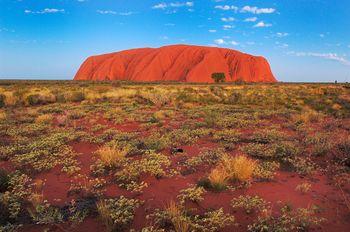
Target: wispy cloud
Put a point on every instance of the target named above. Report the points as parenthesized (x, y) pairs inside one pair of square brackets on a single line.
[(164, 5), (213, 31), (222, 42), (327, 56), (228, 19), (256, 10), (226, 7), (262, 24), (219, 41), (282, 34), (252, 19), (111, 12), (45, 11)]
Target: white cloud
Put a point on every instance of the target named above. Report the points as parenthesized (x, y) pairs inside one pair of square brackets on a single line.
[(111, 12), (228, 19), (282, 45), (163, 5), (262, 24), (222, 42), (181, 4), (164, 37), (126, 13), (281, 34), (252, 19), (322, 35), (226, 7), (226, 27), (219, 41), (106, 12), (212, 31), (327, 56), (45, 11), (256, 10), (160, 6)]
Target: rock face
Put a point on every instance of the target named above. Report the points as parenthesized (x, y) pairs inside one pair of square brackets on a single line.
[(176, 63)]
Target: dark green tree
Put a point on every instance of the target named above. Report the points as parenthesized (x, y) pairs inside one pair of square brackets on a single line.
[(218, 77)]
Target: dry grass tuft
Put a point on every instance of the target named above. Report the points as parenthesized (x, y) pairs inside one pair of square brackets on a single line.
[(239, 168), (218, 178), (104, 212), (112, 156), (179, 222), (3, 115), (45, 118)]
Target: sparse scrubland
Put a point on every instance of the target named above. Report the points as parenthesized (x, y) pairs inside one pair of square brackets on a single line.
[(118, 156)]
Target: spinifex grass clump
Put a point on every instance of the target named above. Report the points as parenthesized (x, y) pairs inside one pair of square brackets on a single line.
[(238, 168), (112, 156)]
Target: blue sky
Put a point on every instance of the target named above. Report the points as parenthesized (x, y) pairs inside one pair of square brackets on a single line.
[(304, 40)]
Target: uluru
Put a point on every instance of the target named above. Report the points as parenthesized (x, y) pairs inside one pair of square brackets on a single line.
[(181, 63)]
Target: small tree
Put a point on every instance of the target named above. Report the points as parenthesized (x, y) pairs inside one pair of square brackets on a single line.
[(218, 77)]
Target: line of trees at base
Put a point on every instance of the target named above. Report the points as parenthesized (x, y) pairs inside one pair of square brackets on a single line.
[(220, 78)]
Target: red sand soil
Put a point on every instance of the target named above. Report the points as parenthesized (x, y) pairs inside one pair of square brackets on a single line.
[(160, 192), (176, 63)]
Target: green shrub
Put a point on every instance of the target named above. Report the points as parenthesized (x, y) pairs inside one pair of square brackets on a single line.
[(116, 214), (218, 77), (77, 96), (2, 100), (4, 180), (249, 203), (300, 219)]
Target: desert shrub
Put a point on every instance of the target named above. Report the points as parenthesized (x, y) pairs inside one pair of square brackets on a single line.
[(156, 142), (227, 136), (267, 136), (194, 194), (175, 218), (45, 214), (186, 136), (87, 187), (206, 157), (249, 203), (44, 118), (266, 170), (157, 98), (3, 115), (261, 151), (152, 163), (4, 180), (302, 165), (9, 98), (300, 219), (75, 114), (344, 152), (218, 77), (303, 187), (321, 144), (309, 116), (76, 96), (280, 151), (2, 100), (116, 214), (18, 189)]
